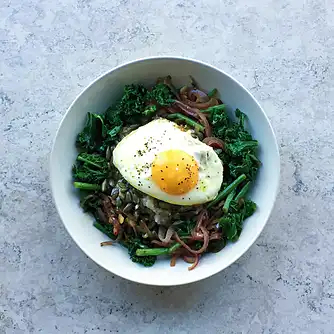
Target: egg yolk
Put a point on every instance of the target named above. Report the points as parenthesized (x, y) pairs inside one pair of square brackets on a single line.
[(175, 172)]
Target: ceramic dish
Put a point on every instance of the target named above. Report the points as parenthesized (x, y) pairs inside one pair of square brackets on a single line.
[(97, 97)]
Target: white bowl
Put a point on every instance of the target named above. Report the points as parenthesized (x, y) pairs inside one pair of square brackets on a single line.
[(97, 97)]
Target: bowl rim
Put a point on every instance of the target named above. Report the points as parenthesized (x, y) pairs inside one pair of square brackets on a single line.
[(233, 258)]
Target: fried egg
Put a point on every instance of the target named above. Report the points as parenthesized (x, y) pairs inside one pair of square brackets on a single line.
[(162, 160)]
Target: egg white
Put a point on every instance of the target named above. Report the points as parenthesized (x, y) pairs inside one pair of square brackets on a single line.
[(135, 153)]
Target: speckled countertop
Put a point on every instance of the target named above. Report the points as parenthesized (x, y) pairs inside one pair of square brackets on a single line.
[(283, 51)]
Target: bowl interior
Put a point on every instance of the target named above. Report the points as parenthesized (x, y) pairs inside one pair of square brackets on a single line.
[(97, 98)]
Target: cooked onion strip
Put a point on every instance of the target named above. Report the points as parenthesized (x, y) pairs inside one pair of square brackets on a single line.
[(193, 112), (192, 251), (173, 260), (106, 243), (143, 225), (194, 265), (202, 220), (117, 226), (165, 238), (186, 109), (214, 142), (207, 127), (202, 105), (197, 95), (168, 82)]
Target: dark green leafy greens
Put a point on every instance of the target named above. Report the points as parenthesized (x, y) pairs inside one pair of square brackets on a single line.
[(93, 133), (132, 245), (106, 229), (162, 95), (138, 105), (232, 222), (239, 155), (240, 168), (90, 168), (133, 101), (137, 102), (89, 171), (97, 134), (90, 202), (185, 227)]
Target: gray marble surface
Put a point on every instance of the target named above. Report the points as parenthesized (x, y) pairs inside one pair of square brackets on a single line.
[(283, 51)]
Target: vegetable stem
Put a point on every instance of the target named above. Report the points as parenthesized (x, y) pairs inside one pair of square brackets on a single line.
[(214, 108), (174, 247), (157, 251), (254, 158), (228, 201), (80, 158), (236, 148), (86, 186), (213, 92), (187, 120), (227, 190), (103, 230), (243, 192)]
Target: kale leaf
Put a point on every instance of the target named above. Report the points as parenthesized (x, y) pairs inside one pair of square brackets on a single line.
[(162, 95), (136, 101), (90, 168), (220, 122), (231, 223), (249, 208), (99, 131), (90, 202), (239, 154), (150, 110), (133, 101), (238, 148), (243, 165), (224, 128), (90, 138), (112, 116), (132, 245)]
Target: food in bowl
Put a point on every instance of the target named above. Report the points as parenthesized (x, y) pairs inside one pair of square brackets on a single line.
[(165, 171)]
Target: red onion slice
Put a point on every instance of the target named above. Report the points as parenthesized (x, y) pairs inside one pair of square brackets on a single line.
[(165, 238), (194, 265), (205, 242), (214, 142)]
